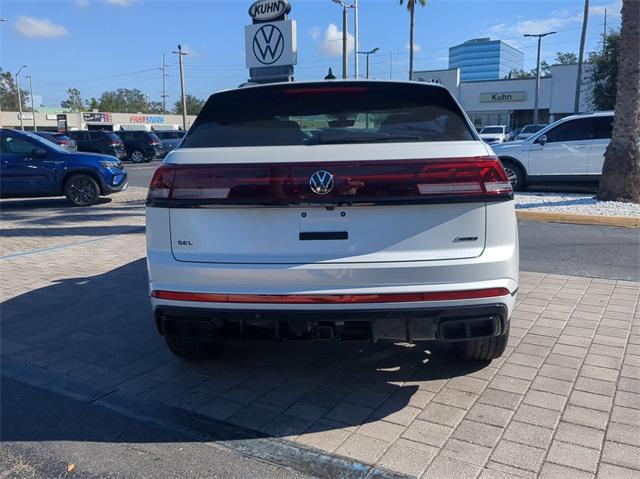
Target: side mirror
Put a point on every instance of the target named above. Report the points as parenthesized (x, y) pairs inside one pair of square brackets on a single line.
[(542, 140)]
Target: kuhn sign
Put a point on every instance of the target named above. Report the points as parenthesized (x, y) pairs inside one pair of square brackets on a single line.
[(265, 10)]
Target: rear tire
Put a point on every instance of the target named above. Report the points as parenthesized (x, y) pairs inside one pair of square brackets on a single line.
[(190, 349), (515, 175), (137, 156), (484, 349)]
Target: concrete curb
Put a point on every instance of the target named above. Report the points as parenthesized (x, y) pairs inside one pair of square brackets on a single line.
[(304, 459), (619, 221)]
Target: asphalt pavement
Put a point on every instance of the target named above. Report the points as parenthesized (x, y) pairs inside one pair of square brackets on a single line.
[(46, 435), (583, 250)]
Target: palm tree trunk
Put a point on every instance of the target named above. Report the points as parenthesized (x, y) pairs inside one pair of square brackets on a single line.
[(412, 7), (620, 179)]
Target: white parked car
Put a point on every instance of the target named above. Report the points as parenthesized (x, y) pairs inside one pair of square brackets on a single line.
[(494, 134), (332, 210), (569, 150)]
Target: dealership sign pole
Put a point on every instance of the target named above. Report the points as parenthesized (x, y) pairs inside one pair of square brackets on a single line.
[(270, 42)]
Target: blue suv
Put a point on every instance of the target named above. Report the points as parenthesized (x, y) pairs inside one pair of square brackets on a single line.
[(31, 166)]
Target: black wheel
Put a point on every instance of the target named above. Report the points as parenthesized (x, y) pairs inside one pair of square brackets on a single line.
[(137, 156), (82, 190), (190, 349), (484, 349), (515, 175)]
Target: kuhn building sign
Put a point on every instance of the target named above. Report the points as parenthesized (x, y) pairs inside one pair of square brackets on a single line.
[(265, 10), (505, 96)]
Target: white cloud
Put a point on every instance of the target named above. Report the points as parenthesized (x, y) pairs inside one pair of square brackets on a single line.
[(82, 3), (38, 27), (613, 9), (120, 3), (331, 42), (314, 33), (555, 21), (416, 47)]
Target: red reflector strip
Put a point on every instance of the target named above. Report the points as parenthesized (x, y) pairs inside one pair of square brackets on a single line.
[(329, 298)]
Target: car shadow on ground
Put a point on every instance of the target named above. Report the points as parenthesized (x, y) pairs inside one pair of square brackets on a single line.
[(99, 329), (32, 203)]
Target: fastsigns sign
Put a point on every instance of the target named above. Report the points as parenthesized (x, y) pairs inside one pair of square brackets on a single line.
[(265, 10)]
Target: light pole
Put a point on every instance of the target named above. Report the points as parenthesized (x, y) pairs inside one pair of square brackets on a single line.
[(345, 35), (164, 85), (356, 69), (33, 109), (20, 95), (368, 54), (180, 54), (537, 96)]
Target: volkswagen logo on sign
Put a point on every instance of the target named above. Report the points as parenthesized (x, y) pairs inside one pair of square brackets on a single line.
[(321, 182), (268, 44)]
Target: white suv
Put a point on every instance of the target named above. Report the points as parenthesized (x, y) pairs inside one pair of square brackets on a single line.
[(332, 210), (569, 150), (494, 134)]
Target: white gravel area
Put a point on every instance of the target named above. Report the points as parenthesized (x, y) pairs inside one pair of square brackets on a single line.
[(574, 203)]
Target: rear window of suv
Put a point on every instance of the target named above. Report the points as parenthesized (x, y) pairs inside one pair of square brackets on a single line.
[(325, 113)]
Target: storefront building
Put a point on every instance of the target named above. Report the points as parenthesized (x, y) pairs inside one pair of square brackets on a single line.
[(94, 121), (511, 102)]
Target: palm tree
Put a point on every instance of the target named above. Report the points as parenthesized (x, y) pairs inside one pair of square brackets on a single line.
[(620, 179), (411, 6)]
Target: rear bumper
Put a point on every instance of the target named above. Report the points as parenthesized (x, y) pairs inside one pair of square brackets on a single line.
[(456, 323)]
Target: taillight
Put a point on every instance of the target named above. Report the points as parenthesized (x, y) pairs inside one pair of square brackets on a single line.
[(64, 142), (357, 182), (114, 144)]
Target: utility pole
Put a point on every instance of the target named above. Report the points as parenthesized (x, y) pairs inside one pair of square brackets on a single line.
[(356, 70), (391, 66), (345, 65), (583, 35), (539, 36), (20, 96), (604, 34), (345, 19), (164, 85), (368, 54), (180, 54), (33, 110)]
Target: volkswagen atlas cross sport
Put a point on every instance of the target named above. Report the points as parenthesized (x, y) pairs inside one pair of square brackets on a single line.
[(332, 210)]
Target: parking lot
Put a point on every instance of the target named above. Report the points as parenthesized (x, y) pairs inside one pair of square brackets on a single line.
[(562, 402)]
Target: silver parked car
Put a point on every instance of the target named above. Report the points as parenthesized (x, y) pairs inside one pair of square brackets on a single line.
[(170, 139)]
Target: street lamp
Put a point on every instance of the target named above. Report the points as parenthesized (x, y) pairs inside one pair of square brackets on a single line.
[(20, 95), (33, 109), (537, 96), (345, 35), (369, 53)]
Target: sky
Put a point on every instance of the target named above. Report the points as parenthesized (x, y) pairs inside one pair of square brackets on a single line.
[(98, 45)]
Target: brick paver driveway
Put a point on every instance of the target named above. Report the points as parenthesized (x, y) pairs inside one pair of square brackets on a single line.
[(564, 401)]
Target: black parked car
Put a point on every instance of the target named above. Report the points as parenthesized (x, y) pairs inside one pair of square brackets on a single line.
[(59, 139), (98, 141), (141, 145)]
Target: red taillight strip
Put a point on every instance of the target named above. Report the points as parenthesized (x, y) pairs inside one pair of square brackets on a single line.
[(330, 298), (355, 182)]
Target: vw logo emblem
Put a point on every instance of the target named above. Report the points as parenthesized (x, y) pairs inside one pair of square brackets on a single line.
[(321, 182), (268, 44)]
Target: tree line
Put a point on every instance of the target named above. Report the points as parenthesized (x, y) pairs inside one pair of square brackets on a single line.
[(122, 100), (127, 100)]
